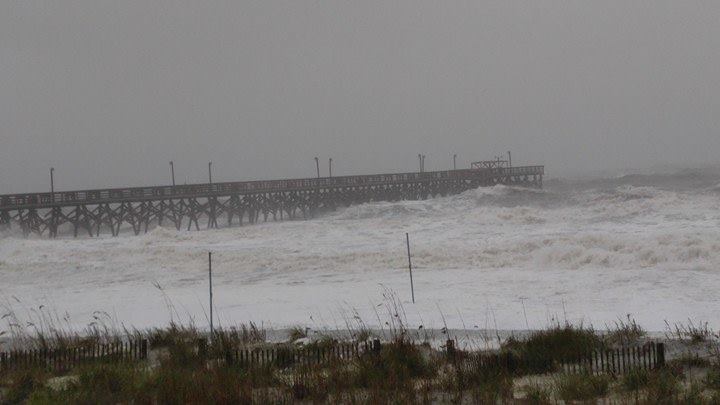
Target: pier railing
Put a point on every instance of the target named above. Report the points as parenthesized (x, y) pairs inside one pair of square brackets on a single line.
[(101, 196)]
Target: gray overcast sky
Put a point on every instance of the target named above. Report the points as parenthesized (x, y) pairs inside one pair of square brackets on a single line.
[(108, 92)]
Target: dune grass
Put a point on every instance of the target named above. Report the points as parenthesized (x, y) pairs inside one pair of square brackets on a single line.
[(543, 349), (581, 387), (187, 365)]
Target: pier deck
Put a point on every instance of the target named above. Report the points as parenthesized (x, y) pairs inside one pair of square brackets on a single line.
[(96, 211)]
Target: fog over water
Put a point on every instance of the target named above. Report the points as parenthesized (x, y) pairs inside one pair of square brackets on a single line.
[(108, 92)]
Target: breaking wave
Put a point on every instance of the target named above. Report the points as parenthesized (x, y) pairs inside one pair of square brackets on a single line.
[(614, 225)]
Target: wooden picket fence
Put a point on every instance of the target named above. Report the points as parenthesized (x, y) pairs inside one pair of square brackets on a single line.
[(618, 361), (63, 359), (610, 361), (284, 356)]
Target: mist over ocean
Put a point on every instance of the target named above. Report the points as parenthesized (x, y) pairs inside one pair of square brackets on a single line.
[(591, 250)]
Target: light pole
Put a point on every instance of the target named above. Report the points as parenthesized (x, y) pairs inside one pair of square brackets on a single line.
[(210, 172), (330, 166), (455, 162), (317, 165), (423, 163), (509, 159), (420, 162), (52, 184), (172, 172)]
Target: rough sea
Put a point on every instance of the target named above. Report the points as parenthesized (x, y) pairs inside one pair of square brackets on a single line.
[(591, 250)]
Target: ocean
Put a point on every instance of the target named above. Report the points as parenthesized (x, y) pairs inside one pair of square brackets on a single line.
[(592, 251)]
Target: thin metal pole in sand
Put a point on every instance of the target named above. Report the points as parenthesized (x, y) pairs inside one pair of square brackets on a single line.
[(212, 330), (412, 288)]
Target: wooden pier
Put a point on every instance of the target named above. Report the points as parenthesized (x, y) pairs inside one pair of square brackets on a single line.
[(139, 208)]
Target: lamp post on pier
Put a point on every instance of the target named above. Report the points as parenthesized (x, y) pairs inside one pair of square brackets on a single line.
[(423, 163), (455, 162), (52, 184), (330, 167), (172, 172), (210, 172), (317, 166)]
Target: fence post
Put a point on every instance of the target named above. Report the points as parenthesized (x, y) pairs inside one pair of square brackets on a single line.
[(653, 355), (376, 346), (636, 357), (629, 356), (450, 347), (510, 362), (202, 347), (144, 349), (660, 355)]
